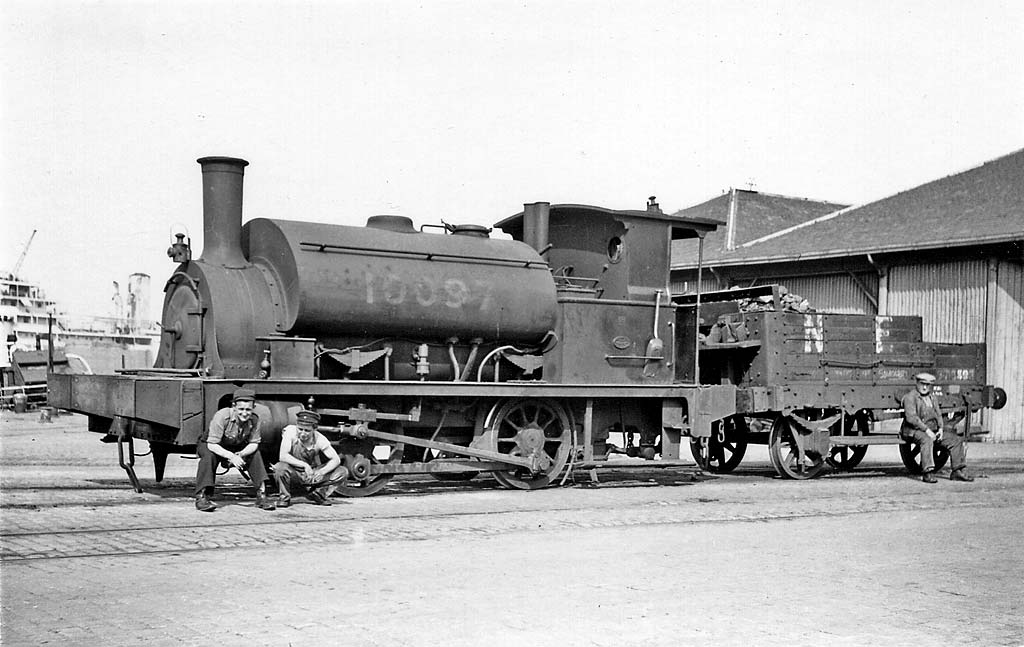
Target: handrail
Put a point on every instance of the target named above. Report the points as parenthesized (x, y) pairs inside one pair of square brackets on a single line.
[(429, 256), (22, 388), (32, 392)]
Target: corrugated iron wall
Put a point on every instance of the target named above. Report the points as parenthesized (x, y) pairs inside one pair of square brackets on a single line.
[(959, 306), (840, 293), (950, 297), (1006, 352)]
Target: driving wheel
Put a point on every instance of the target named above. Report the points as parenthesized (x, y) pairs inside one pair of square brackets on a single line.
[(530, 428)]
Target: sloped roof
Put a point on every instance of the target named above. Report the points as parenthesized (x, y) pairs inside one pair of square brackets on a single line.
[(756, 215), (982, 205)]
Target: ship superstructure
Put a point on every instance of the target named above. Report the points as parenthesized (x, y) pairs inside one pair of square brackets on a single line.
[(126, 339)]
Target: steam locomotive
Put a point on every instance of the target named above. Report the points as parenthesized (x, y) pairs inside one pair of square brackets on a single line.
[(444, 351)]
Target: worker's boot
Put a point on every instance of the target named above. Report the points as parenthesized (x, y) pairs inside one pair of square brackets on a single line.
[(960, 475), (203, 503)]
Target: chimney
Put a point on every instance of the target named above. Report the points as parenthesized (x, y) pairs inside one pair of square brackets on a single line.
[(222, 210)]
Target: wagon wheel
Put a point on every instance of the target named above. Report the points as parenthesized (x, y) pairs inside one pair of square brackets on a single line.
[(910, 452), (379, 453), (846, 457), (717, 456), (529, 427), (782, 451)]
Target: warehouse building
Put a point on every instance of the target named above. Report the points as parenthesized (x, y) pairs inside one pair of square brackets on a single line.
[(950, 251)]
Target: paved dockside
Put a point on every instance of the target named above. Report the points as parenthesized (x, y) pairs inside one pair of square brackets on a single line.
[(645, 558)]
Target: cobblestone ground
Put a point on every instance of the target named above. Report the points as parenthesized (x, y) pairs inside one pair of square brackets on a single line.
[(645, 558)]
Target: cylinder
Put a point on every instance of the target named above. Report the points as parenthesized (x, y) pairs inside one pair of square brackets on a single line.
[(20, 403), (222, 210)]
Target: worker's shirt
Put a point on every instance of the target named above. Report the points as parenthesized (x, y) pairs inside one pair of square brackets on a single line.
[(920, 412), (227, 429), (308, 453)]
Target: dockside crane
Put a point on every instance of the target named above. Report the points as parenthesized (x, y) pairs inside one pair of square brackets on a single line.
[(24, 252)]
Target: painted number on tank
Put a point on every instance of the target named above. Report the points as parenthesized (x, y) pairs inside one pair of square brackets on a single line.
[(453, 293)]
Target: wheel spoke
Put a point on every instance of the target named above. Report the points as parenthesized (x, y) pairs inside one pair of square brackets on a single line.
[(519, 414), (719, 455), (538, 417), (535, 421), (530, 415)]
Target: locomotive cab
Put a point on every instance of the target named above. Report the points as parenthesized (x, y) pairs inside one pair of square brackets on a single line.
[(616, 320)]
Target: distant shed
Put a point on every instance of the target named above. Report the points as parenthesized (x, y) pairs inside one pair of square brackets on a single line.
[(951, 251)]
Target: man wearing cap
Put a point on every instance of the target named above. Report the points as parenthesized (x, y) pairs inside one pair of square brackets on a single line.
[(234, 436), (301, 461), (922, 423)]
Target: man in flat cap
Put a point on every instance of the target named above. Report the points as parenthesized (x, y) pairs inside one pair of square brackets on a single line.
[(922, 423), (307, 461), (233, 436)]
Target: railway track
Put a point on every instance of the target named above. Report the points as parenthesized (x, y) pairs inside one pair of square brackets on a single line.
[(168, 524)]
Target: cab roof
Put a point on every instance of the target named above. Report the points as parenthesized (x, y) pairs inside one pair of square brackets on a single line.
[(682, 226)]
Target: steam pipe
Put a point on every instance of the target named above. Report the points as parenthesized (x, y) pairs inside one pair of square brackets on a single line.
[(472, 358), (222, 210), (456, 369)]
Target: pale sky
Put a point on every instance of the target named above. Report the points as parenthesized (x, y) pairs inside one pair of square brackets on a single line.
[(466, 110)]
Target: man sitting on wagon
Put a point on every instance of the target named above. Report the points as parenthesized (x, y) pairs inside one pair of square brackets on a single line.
[(922, 423), (233, 437), (301, 462)]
